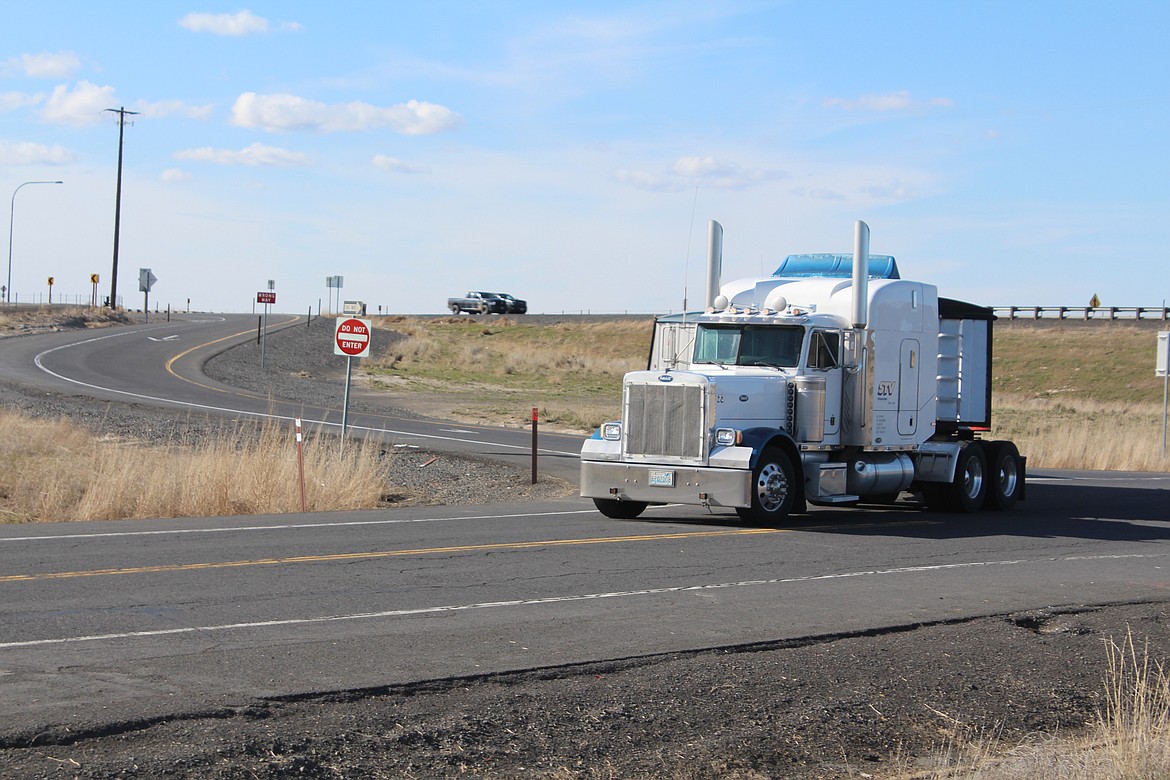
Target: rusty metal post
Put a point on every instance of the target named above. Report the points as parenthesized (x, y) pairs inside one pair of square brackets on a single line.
[(534, 424), (301, 463)]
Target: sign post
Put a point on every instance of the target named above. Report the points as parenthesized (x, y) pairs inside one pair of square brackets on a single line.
[(334, 283), (351, 338), (146, 280), (265, 298), (1162, 369)]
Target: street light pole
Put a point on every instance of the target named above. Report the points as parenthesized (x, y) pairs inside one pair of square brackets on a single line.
[(11, 217)]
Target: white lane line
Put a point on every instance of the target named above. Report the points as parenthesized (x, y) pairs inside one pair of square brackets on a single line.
[(453, 608), (289, 526), (263, 415)]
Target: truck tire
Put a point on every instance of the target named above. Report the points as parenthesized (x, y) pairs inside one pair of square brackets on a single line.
[(1005, 476), (483, 308), (969, 488), (619, 510), (773, 489), (455, 309)]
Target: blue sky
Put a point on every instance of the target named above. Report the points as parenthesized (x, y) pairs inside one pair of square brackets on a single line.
[(572, 153)]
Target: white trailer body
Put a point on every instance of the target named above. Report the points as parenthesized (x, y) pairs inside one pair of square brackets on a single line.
[(828, 382)]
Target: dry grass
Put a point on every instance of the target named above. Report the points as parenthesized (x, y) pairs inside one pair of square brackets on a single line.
[(586, 359), (1083, 433), (1130, 739), (55, 471), (496, 371), (21, 317), (1080, 396)]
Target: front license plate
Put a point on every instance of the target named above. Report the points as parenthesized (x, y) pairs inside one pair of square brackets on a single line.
[(662, 479)]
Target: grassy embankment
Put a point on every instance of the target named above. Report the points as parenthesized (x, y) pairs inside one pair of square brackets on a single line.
[(497, 370), (56, 470), (1080, 396)]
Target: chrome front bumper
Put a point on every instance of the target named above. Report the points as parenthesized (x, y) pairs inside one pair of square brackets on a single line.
[(689, 485)]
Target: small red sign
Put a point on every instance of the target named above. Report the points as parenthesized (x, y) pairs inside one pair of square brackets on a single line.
[(352, 337), (265, 297)]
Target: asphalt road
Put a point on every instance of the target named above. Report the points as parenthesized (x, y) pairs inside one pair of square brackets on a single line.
[(127, 622)]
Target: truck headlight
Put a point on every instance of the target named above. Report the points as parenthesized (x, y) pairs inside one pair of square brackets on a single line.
[(612, 431), (725, 437)]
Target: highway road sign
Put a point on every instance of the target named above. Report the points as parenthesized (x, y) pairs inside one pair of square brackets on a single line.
[(146, 279), (265, 297), (352, 337)]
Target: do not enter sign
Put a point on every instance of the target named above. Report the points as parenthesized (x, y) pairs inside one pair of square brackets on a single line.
[(352, 337)]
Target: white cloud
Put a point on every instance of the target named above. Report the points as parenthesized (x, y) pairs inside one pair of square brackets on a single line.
[(255, 155), (240, 23), (889, 101), (25, 153), (83, 105), (276, 113), (394, 165), (174, 175), (10, 101), (165, 108), (61, 65), (722, 173), (647, 181), (707, 171)]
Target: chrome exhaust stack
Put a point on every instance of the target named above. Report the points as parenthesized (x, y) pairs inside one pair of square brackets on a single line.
[(714, 262), (860, 274)]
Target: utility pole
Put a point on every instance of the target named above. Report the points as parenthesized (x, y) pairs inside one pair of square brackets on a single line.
[(121, 112)]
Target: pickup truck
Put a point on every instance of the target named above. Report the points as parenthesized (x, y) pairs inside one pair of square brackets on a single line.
[(515, 305), (478, 303)]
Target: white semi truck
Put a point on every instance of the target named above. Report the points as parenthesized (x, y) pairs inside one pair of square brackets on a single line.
[(832, 381)]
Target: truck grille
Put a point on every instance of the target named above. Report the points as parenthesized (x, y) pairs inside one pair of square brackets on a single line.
[(665, 420)]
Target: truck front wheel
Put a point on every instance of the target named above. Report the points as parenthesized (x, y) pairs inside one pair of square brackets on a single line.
[(773, 486), (619, 510)]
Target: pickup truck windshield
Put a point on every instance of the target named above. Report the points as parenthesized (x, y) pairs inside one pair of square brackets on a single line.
[(749, 345)]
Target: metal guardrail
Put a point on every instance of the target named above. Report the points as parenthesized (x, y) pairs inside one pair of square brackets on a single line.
[(1082, 312)]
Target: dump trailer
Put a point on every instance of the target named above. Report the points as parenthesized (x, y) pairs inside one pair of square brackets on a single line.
[(831, 382)]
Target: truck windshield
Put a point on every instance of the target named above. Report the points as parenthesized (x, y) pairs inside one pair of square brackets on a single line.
[(749, 345)]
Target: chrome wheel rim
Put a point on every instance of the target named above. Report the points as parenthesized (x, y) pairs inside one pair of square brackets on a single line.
[(772, 487), (973, 478), (1008, 477)]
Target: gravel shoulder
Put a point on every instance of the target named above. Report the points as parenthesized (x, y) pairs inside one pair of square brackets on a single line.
[(868, 705)]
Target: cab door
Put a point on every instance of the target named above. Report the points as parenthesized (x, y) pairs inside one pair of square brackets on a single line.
[(824, 359), (908, 369)]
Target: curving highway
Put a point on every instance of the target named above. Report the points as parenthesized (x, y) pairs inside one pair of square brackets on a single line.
[(159, 364), (127, 622)]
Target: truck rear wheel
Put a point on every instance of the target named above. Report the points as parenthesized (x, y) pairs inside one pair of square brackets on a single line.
[(773, 486), (969, 488), (454, 308), (1006, 476), (619, 510)]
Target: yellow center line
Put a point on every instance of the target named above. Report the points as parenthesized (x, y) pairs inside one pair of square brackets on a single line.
[(169, 366), (356, 556)]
